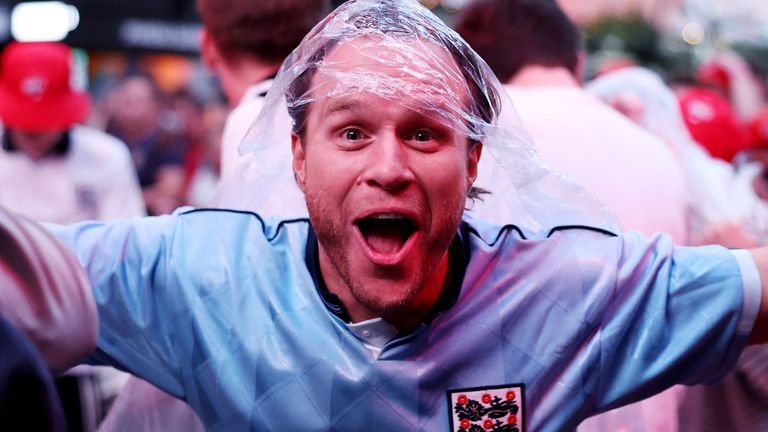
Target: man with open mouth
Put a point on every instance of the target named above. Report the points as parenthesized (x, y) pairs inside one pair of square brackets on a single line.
[(391, 308)]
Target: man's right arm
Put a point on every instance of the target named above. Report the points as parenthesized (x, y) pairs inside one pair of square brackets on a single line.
[(106, 280), (128, 263)]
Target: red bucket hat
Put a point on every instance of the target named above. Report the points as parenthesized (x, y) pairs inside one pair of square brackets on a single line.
[(36, 88), (712, 122)]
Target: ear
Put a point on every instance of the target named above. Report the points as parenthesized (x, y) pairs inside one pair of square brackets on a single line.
[(299, 160), (209, 51), (473, 160)]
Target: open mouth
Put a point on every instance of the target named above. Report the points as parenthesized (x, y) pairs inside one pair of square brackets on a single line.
[(386, 233)]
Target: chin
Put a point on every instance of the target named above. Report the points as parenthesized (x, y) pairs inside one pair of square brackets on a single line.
[(384, 298)]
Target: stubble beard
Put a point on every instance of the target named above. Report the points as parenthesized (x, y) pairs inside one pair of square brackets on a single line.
[(334, 240)]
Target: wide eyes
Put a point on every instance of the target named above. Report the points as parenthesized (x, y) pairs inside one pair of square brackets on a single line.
[(423, 139), (353, 134), (423, 136)]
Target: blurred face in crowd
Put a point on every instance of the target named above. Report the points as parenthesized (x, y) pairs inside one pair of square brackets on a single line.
[(135, 106), (35, 144), (385, 179)]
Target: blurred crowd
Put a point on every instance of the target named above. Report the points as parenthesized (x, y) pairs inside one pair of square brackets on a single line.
[(173, 137)]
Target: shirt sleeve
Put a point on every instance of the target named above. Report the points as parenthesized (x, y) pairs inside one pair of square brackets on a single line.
[(137, 293), (676, 316)]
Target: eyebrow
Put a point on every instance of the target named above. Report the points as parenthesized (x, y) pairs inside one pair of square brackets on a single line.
[(442, 112), (345, 104)]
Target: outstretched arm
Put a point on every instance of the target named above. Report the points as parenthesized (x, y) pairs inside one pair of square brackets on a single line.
[(44, 292)]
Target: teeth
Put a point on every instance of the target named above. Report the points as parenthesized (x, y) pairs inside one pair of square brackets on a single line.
[(388, 216)]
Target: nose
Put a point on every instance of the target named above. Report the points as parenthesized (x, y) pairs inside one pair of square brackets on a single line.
[(388, 167)]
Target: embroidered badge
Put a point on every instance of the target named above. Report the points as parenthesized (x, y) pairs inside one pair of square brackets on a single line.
[(481, 409)]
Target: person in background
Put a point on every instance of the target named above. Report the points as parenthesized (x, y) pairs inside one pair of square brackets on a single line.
[(731, 76), (754, 161), (712, 121), (244, 43), (628, 169), (54, 170), (245, 60), (247, 68), (197, 124), (723, 207), (203, 161), (51, 168), (138, 115)]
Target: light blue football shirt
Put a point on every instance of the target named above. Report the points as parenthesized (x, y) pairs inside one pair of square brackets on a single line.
[(220, 309)]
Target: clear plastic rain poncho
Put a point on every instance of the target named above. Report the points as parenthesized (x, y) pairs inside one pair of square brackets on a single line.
[(722, 206), (451, 84)]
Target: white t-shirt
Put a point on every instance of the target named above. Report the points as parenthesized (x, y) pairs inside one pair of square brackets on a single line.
[(238, 123), (261, 180), (95, 179), (630, 170)]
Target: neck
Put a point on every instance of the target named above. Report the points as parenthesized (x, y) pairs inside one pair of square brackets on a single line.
[(237, 78), (34, 148), (544, 76), (33, 152)]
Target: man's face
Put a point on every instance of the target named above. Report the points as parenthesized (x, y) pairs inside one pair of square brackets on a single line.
[(385, 184)]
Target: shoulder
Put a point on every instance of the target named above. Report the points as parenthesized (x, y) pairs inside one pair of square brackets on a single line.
[(215, 251), (91, 137), (239, 224), (584, 252), (493, 234), (241, 117), (187, 228)]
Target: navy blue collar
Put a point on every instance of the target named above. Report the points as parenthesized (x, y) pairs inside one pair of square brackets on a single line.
[(458, 259), (61, 148)]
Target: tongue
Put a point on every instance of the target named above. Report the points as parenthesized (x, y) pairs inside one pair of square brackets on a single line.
[(385, 239)]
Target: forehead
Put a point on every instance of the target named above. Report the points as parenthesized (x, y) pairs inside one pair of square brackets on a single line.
[(414, 73)]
